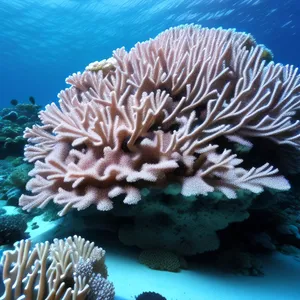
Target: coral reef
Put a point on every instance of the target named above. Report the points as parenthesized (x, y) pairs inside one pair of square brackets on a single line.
[(168, 111), (19, 176), (13, 178), (13, 121), (65, 269)]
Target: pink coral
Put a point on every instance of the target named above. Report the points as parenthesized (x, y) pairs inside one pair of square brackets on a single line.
[(153, 115)]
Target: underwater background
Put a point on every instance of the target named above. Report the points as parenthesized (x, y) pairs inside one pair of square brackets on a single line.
[(43, 42), (184, 239)]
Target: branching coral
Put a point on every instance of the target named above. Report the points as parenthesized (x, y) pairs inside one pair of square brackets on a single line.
[(154, 116), (56, 271)]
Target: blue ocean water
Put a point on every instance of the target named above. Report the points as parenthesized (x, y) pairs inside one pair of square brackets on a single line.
[(42, 42)]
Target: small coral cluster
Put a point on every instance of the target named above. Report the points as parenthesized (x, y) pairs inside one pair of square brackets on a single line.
[(12, 228), (167, 112), (160, 260), (150, 296), (65, 269), (13, 178)]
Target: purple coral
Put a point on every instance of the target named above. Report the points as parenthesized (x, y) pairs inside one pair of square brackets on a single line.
[(152, 116), (100, 288)]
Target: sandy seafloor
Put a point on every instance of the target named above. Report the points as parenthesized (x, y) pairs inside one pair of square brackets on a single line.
[(281, 280)]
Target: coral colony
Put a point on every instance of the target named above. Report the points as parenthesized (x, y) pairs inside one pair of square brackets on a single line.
[(154, 116), (52, 267)]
